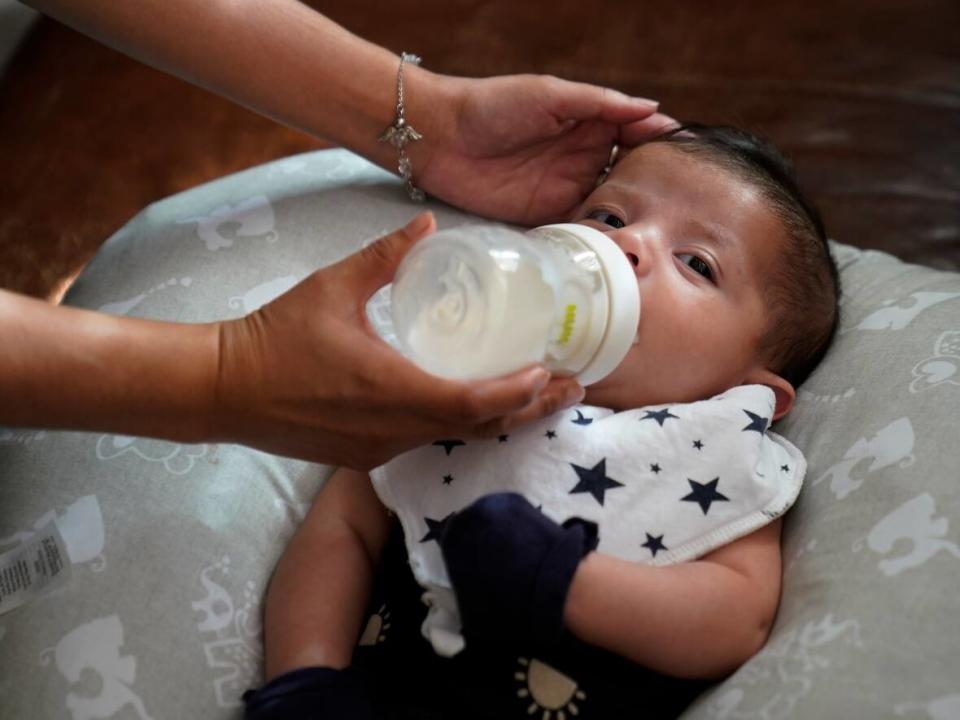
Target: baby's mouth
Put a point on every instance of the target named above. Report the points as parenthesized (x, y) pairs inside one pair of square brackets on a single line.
[(634, 260)]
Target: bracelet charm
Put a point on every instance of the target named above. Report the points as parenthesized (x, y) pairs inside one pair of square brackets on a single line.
[(399, 133)]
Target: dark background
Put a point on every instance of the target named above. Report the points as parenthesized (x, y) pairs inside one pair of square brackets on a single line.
[(864, 96)]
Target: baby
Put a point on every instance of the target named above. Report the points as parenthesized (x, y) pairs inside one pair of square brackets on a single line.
[(739, 303)]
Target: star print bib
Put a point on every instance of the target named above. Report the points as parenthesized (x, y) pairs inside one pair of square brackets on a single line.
[(665, 484)]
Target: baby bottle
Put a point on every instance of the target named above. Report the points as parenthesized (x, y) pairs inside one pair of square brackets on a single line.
[(483, 300)]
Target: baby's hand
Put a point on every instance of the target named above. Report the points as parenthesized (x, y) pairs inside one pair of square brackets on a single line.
[(511, 567)]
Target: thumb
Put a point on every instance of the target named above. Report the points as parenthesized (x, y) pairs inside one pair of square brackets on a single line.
[(375, 265)]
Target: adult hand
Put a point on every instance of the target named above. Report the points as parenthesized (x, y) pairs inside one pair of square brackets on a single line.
[(523, 148), (306, 376)]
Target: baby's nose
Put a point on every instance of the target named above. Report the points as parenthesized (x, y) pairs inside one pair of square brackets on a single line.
[(635, 246)]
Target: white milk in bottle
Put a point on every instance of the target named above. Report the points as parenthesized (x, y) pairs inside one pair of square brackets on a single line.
[(483, 300)]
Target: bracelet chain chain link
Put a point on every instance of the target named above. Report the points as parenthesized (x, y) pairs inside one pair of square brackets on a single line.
[(399, 133)]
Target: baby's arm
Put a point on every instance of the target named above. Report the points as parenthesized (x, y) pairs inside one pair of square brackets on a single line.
[(321, 586), (697, 619)]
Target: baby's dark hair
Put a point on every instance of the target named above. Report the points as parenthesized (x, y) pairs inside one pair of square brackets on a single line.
[(804, 293)]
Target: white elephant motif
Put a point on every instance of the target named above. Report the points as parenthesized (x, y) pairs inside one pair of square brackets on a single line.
[(892, 444), (913, 521), (96, 646), (252, 217), (942, 367), (232, 648), (217, 605), (898, 316)]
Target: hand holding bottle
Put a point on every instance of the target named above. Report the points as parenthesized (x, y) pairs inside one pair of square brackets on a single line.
[(320, 385)]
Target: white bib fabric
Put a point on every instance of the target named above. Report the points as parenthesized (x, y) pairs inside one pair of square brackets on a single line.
[(665, 484)]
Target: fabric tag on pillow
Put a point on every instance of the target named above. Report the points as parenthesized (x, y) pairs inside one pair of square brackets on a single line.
[(38, 566)]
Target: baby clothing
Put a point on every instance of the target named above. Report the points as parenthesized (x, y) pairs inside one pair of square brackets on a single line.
[(665, 484), (396, 671)]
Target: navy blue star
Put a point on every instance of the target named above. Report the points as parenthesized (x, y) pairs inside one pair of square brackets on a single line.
[(757, 422), (661, 416), (581, 420), (654, 543), (447, 479), (655, 468), (785, 468), (698, 445), (594, 480), (502, 438), (550, 435), (449, 445), (704, 495), (435, 528)]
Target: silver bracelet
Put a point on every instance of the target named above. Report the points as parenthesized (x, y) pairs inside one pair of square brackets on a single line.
[(399, 133)]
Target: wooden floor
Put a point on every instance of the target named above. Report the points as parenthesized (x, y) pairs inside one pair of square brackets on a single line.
[(89, 137), (862, 96)]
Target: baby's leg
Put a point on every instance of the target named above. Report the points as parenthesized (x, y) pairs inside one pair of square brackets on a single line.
[(321, 586)]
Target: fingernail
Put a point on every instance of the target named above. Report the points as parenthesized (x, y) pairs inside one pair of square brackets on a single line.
[(419, 224), (575, 395), (647, 103)]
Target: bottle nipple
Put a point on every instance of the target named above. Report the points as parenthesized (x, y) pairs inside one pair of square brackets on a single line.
[(454, 301)]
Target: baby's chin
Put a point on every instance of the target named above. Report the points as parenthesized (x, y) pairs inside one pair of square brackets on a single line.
[(630, 392), (615, 397)]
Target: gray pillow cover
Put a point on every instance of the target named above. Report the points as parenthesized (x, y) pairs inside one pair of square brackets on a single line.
[(171, 545)]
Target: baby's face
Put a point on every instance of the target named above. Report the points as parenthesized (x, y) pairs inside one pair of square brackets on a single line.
[(701, 242)]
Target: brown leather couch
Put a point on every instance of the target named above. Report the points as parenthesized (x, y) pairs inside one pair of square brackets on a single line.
[(864, 96)]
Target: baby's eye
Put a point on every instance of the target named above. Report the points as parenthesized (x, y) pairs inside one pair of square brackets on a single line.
[(607, 218), (698, 265)]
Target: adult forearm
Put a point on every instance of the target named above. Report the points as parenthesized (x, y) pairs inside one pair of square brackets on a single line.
[(696, 619), (77, 369), (279, 58)]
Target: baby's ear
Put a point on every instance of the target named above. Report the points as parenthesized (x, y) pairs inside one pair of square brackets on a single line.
[(783, 391)]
